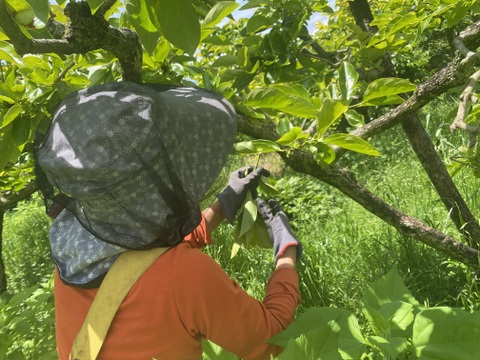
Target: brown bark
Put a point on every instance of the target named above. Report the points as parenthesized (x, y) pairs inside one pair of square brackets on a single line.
[(343, 180), (8, 200), (422, 144), (441, 180)]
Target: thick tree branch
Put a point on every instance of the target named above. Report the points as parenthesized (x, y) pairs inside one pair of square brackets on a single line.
[(419, 139), (453, 75), (362, 14), (467, 97), (344, 181), (406, 225), (10, 199), (453, 201)]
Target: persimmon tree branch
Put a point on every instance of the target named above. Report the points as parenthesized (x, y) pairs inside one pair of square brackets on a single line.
[(425, 151), (8, 200), (343, 180), (467, 97)]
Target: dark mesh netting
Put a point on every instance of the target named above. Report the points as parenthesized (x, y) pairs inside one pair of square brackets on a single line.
[(130, 163)]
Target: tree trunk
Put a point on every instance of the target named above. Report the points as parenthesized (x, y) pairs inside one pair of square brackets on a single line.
[(441, 180)]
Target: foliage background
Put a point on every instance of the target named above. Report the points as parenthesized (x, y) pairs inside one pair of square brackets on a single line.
[(355, 74)]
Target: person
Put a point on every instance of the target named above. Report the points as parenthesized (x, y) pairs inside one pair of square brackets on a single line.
[(128, 164)]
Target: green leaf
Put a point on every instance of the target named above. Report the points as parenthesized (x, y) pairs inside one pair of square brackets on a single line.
[(235, 248), (457, 13), (354, 118), (8, 150), (446, 333), (41, 9), (249, 215), (21, 131), (21, 11), (250, 229), (267, 185), (11, 115), (350, 340), (227, 60), (324, 153), (8, 53), (319, 343), (256, 147), (218, 12), (398, 313), (258, 23), (385, 88), (219, 40), (141, 19), (283, 126), (392, 348), (94, 4), (295, 134), (351, 142), (257, 235), (212, 351), (6, 94), (284, 98), (348, 79), (404, 21), (388, 289), (179, 23), (330, 111)]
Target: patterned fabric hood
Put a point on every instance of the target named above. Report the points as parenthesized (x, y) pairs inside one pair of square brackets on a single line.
[(135, 160)]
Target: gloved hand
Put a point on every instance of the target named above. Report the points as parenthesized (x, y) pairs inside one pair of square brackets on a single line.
[(241, 181), (278, 227)]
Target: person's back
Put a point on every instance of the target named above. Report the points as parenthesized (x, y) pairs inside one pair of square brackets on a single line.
[(131, 163), (182, 297)]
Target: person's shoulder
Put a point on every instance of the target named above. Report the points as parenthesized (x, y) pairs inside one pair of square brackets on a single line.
[(188, 255), (191, 262)]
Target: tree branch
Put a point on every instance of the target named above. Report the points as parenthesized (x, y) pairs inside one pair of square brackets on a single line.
[(453, 201), (466, 98), (406, 225), (344, 181), (10, 199)]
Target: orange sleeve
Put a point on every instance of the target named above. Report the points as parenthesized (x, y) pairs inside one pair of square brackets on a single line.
[(199, 237), (213, 306)]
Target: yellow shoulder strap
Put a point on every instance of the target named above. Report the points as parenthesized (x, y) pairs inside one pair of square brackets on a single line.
[(126, 270)]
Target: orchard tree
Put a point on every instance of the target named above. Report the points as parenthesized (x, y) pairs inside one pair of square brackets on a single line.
[(310, 93)]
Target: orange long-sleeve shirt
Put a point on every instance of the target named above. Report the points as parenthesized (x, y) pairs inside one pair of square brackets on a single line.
[(183, 297)]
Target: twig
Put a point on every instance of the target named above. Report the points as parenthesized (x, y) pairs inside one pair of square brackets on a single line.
[(466, 99), (63, 73)]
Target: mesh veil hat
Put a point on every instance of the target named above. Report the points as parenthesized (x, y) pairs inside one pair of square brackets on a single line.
[(136, 160)]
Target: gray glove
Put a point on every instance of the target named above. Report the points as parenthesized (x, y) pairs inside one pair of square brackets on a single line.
[(241, 181), (278, 227)]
